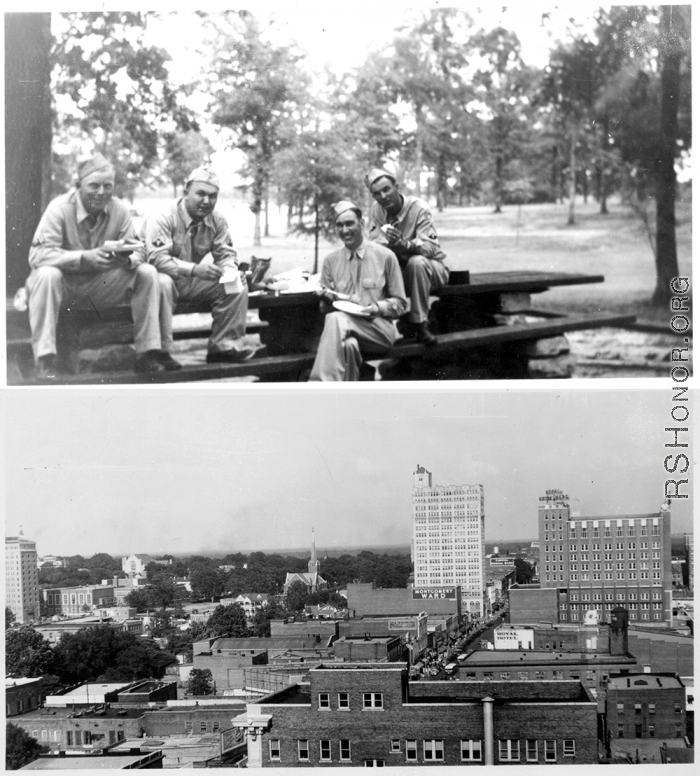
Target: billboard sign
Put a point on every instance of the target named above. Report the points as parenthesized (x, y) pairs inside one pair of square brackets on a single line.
[(230, 739), (502, 561), (446, 593)]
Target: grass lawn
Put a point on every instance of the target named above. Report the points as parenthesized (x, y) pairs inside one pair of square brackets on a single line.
[(536, 238)]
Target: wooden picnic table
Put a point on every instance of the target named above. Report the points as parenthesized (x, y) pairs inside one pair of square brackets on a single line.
[(492, 310)]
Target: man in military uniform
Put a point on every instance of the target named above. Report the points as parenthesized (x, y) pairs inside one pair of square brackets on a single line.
[(405, 225), (367, 274), (71, 265), (176, 240)]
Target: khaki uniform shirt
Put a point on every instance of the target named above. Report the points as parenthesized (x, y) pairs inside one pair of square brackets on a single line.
[(64, 232), (415, 222), (373, 277), (174, 243)]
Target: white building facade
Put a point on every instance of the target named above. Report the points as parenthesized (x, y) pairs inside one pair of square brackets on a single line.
[(21, 578), (448, 538)]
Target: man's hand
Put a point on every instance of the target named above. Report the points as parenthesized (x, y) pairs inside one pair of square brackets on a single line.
[(206, 272), (97, 260), (326, 295), (394, 237)]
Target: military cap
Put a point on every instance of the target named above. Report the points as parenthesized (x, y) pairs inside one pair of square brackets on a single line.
[(96, 163), (204, 175), (343, 205), (376, 174)]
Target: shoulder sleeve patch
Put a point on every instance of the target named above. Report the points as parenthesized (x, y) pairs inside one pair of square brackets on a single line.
[(158, 241), (432, 235)]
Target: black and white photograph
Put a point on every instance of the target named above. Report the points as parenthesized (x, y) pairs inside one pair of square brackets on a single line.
[(353, 578), (272, 194), (479, 552)]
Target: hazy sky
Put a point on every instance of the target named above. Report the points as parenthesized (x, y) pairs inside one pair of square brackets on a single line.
[(170, 470)]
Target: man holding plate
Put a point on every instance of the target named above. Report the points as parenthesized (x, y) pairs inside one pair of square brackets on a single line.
[(405, 225), (176, 240), (85, 254), (362, 281)]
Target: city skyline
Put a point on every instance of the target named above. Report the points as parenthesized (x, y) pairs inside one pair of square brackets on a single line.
[(178, 472)]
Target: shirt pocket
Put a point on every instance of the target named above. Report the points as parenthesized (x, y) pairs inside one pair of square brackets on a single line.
[(371, 284)]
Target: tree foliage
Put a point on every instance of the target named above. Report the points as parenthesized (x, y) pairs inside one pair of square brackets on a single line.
[(27, 653), (20, 748), (229, 620), (9, 618), (201, 682)]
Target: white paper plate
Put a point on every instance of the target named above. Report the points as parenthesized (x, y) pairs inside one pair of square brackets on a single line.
[(351, 308)]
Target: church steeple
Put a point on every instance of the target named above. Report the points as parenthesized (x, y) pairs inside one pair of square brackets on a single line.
[(314, 564)]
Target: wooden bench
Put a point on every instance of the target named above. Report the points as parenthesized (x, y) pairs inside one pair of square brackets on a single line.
[(485, 314)]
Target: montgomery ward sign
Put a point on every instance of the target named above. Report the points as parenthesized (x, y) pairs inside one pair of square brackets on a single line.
[(449, 593)]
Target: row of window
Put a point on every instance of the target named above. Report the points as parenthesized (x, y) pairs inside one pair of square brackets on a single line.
[(606, 546), (650, 708), (651, 730), (432, 750), (203, 727), (370, 700), (621, 595)]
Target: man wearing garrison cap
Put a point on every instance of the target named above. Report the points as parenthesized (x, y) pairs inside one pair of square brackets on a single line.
[(176, 240), (71, 267), (405, 225), (367, 274)]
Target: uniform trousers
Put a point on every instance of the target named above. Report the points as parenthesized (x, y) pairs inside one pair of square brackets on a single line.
[(421, 276), (339, 356), (50, 289), (228, 310)]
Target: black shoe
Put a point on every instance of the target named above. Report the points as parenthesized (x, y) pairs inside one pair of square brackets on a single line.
[(230, 356), (148, 363), (46, 367), (170, 364), (425, 336)]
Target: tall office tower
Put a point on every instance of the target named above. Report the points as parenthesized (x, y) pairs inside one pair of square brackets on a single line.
[(603, 562), (21, 578), (689, 560), (448, 538)]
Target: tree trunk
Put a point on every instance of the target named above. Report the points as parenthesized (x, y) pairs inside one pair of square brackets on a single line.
[(316, 230), (572, 178), (666, 255), (419, 148), (555, 173), (27, 136), (498, 183), (267, 209), (441, 183), (603, 180)]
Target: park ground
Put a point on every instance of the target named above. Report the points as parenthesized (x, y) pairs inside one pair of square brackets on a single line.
[(532, 237)]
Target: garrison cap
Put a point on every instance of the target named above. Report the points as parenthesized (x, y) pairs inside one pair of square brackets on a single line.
[(204, 175), (343, 205), (96, 163), (376, 174)]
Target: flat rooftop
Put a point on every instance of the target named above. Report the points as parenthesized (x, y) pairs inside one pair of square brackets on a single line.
[(92, 690), (643, 681), (66, 712), (85, 763), (506, 657), (9, 682)]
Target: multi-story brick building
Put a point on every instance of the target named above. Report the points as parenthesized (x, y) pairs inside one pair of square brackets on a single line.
[(372, 715), (448, 538), (21, 578), (64, 601), (22, 695), (645, 706), (603, 562)]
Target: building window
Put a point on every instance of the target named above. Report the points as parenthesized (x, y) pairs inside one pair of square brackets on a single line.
[(343, 700), (679, 731), (411, 750), (652, 730), (505, 675), (433, 750), (677, 708), (274, 749), (531, 750), (620, 730), (303, 749), (620, 708), (569, 747), (550, 751), (324, 750), (471, 751), (395, 744), (637, 708), (652, 708), (188, 728), (372, 700), (344, 748), (509, 750), (324, 700)]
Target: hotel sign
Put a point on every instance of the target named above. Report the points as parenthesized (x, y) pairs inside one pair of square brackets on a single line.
[(402, 625), (502, 561), (445, 593)]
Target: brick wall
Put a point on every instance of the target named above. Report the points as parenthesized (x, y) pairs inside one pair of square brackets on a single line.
[(664, 717), (192, 720), (53, 730), (364, 600), (530, 605), (664, 656), (23, 697)]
